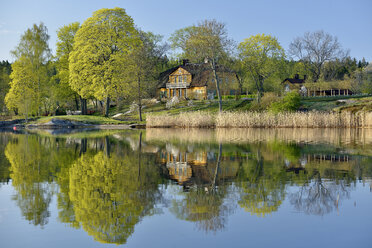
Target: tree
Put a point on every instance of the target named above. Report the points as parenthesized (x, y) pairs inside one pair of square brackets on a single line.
[(111, 194), (21, 97), (262, 190), (65, 44), (30, 173), (261, 55), (29, 76), (315, 48), (207, 41), (146, 59), (99, 59), (5, 70)]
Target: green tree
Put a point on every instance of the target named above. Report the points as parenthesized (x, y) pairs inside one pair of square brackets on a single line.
[(65, 44), (98, 64), (290, 102), (29, 71), (262, 56), (22, 96), (207, 41), (5, 69), (262, 186), (111, 194), (146, 60), (30, 173)]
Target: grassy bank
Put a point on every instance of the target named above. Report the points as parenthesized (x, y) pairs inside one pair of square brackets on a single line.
[(86, 119), (311, 119)]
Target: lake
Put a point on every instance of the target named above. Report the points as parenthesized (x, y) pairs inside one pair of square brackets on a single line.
[(186, 188)]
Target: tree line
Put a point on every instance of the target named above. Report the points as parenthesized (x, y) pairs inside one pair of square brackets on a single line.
[(107, 59)]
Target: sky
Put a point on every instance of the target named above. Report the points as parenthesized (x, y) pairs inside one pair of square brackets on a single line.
[(349, 20)]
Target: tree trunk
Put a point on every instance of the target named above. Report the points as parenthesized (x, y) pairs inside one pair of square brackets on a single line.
[(217, 166), (238, 94), (139, 99), (108, 146), (83, 105), (217, 85), (76, 102), (107, 106)]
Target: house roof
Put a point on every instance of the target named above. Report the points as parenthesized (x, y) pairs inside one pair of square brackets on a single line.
[(200, 74), (294, 80)]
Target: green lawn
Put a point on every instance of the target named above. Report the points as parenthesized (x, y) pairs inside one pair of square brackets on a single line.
[(330, 103), (87, 119)]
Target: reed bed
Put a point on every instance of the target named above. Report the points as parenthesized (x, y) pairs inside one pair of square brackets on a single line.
[(185, 120), (353, 137), (263, 120)]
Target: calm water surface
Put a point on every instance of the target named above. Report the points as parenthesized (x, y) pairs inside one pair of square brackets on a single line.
[(187, 188)]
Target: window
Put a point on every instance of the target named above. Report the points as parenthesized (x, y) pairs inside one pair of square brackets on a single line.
[(180, 79), (175, 79), (184, 78)]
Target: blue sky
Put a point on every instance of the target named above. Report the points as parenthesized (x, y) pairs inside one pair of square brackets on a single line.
[(350, 21)]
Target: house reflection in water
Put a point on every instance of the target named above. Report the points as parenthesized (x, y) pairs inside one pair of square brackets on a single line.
[(188, 166), (342, 161)]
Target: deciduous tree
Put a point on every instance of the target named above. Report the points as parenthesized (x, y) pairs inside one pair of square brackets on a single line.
[(315, 48), (99, 59), (147, 60), (65, 44), (262, 56), (29, 76), (207, 41)]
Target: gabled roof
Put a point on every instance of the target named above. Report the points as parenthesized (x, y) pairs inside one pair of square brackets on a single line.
[(294, 80), (200, 74)]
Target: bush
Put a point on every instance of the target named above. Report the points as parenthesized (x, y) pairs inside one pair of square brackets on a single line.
[(289, 103), (265, 103), (174, 101)]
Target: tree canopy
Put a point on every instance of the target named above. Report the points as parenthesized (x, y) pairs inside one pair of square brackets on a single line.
[(208, 42), (99, 61), (29, 76), (261, 56), (315, 48)]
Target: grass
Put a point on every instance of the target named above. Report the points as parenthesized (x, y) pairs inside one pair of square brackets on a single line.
[(331, 103), (86, 119)]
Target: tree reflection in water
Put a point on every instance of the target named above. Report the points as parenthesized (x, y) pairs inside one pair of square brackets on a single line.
[(111, 194), (319, 196), (107, 184), (206, 203)]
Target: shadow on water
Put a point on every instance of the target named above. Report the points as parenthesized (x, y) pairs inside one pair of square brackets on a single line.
[(107, 182)]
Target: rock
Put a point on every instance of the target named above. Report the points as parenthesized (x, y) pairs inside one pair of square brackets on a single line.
[(118, 116)]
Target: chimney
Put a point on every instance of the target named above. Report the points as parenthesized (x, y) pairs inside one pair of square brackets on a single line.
[(185, 61), (305, 76), (296, 76)]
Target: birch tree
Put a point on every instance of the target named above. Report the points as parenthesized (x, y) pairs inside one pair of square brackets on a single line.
[(29, 76), (208, 41)]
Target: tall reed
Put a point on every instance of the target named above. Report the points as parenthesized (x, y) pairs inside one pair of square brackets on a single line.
[(185, 119), (262, 120)]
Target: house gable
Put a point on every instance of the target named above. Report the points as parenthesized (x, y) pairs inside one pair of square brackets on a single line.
[(180, 76)]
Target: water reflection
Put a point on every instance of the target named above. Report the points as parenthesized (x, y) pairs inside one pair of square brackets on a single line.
[(107, 183)]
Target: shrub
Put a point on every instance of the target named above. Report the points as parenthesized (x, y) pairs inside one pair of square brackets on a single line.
[(265, 103), (289, 103), (174, 101)]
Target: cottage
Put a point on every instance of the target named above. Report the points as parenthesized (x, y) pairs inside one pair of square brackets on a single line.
[(195, 81), (293, 83), (315, 89)]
